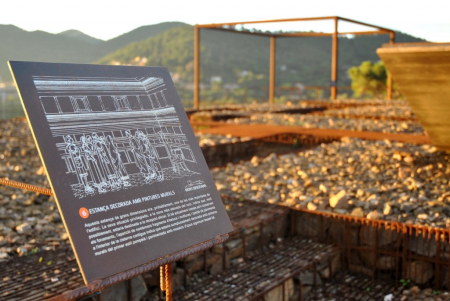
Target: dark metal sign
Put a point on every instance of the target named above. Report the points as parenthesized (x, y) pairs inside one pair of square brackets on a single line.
[(128, 175)]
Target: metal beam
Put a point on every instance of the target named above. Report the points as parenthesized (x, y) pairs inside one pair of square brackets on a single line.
[(272, 71), (299, 34), (196, 67), (334, 60), (364, 24), (390, 81), (238, 31), (303, 34), (357, 33), (267, 21)]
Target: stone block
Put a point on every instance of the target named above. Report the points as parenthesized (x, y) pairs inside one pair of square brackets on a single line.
[(119, 292), (277, 293)]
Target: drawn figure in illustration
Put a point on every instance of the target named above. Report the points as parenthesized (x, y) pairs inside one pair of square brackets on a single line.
[(150, 170), (99, 180), (140, 161), (150, 157), (103, 158), (119, 168), (114, 179), (178, 162), (77, 159)]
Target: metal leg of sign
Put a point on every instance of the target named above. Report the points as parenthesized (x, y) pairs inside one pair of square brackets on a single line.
[(165, 278), (162, 277), (168, 282)]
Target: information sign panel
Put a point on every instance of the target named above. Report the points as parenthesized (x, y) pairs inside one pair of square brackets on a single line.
[(123, 162)]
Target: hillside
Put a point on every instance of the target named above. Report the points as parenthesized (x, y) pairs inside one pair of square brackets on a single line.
[(70, 46), (80, 36), (306, 60), (233, 58), (18, 44), (139, 34)]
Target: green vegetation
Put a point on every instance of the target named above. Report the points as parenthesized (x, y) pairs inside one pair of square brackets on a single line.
[(70, 46), (370, 79), (405, 282), (234, 67), (173, 49)]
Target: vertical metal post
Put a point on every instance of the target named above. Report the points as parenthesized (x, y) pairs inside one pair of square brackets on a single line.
[(389, 79), (272, 71), (334, 60), (168, 282), (162, 277), (196, 67)]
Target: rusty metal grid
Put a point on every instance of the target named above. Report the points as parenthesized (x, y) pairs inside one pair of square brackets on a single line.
[(350, 287), (258, 275), (413, 252), (247, 214), (40, 276), (34, 278)]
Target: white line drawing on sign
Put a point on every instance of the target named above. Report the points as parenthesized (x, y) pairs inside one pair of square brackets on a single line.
[(114, 133)]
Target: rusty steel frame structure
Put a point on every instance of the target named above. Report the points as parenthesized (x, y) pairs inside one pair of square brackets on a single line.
[(229, 27)]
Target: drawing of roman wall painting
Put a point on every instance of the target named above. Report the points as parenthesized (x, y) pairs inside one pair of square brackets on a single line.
[(114, 133)]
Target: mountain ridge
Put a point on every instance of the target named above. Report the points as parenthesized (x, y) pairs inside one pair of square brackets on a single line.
[(71, 46), (224, 55), (73, 33)]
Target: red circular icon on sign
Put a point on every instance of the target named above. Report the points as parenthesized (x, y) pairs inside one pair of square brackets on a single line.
[(84, 213)]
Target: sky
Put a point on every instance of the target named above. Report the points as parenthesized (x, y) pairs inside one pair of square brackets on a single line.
[(107, 19)]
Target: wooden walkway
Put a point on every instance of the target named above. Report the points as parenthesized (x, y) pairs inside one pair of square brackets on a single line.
[(260, 131)]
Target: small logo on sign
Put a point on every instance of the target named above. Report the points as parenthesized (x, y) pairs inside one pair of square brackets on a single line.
[(84, 213), (194, 185)]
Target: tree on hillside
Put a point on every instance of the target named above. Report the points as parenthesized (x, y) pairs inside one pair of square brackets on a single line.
[(369, 79), (250, 84)]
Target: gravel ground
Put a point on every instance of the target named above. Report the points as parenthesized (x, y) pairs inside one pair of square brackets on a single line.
[(315, 121), (390, 111), (27, 220), (377, 180), (211, 140), (398, 182)]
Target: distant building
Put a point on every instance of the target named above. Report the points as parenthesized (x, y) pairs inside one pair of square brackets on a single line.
[(215, 79)]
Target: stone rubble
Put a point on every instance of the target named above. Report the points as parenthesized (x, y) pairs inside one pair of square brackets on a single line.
[(396, 110), (28, 221), (212, 140), (374, 179), (329, 122)]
